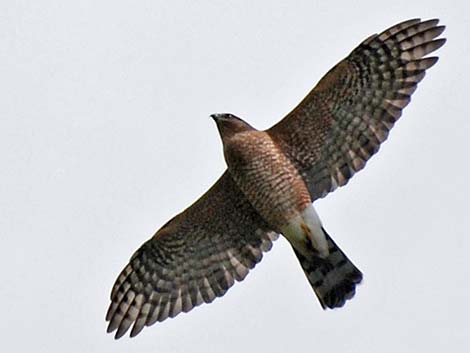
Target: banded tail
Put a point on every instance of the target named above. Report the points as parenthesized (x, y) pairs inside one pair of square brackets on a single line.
[(333, 278)]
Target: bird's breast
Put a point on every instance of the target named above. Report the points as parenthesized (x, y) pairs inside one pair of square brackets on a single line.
[(267, 178)]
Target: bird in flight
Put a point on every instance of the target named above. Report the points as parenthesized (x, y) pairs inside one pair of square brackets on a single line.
[(271, 181)]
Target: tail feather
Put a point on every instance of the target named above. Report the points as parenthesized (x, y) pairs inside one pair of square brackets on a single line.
[(333, 278)]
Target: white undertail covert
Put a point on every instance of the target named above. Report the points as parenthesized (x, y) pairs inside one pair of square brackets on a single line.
[(305, 231)]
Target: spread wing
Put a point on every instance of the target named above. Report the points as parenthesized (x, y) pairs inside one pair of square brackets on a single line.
[(332, 133), (194, 258)]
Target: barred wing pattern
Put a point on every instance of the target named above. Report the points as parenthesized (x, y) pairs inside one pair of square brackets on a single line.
[(332, 133), (191, 260)]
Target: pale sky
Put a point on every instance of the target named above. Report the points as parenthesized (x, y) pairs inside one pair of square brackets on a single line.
[(105, 134)]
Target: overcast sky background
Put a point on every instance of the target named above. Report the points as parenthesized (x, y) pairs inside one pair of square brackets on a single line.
[(105, 134)]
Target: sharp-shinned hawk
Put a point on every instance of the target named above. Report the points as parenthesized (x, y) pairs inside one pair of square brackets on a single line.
[(273, 176)]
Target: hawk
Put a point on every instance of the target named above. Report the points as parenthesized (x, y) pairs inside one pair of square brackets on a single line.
[(271, 181)]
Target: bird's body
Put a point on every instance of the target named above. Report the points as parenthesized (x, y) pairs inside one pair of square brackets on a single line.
[(272, 178), (272, 184)]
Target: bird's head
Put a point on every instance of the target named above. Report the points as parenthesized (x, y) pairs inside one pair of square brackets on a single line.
[(229, 125)]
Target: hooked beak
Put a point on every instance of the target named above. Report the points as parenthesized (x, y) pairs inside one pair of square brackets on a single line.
[(216, 117)]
